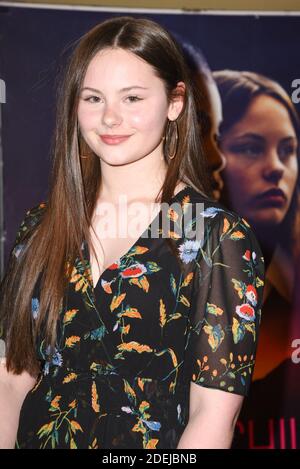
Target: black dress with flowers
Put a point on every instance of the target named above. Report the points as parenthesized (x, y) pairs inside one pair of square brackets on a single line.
[(128, 349)]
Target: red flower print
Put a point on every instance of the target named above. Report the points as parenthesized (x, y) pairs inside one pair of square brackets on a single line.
[(245, 311), (247, 255), (251, 294), (136, 270)]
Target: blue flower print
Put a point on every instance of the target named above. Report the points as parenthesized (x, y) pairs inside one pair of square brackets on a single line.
[(188, 250), (56, 360), (211, 212)]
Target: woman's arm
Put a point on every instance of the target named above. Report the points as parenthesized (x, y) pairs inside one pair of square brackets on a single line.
[(213, 415), (13, 390)]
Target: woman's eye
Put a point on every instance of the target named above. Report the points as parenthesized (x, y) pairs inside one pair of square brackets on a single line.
[(248, 149), (92, 99), (287, 150), (134, 99)]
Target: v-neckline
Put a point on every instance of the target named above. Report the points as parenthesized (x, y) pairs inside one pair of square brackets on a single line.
[(119, 259)]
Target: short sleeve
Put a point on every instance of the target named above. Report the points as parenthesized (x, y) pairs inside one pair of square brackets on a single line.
[(31, 219), (226, 305)]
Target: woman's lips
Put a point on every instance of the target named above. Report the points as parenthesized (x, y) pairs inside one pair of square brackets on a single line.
[(114, 139), (274, 197)]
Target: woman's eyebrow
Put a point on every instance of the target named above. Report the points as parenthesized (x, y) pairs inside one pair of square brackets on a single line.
[(127, 88), (289, 139), (250, 135), (260, 138)]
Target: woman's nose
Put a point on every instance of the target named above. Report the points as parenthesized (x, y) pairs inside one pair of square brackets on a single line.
[(274, 167), (111, 116)]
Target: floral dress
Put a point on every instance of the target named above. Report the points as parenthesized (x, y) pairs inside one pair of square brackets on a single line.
[(128, 349)]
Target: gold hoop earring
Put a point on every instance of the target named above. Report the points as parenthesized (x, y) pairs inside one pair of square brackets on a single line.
[(169, 137)]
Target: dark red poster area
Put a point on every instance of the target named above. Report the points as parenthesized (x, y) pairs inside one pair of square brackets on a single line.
[(34, 45)]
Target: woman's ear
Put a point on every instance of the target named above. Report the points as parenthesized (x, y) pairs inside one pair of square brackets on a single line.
[(177, 101)]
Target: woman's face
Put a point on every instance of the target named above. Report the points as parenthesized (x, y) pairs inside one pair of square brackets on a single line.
[(261, 156), (123, 108)]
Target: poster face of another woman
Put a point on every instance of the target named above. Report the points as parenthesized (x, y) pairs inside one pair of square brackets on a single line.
[(261, 162)]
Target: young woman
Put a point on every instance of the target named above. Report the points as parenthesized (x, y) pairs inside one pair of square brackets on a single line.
[(121, 340)]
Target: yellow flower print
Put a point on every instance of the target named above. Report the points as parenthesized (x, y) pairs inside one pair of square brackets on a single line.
[(184, 300), (132, 313), (69, 315), (226, 226), (81, 283), (69, 377), (75, 426), (95, 399), (237, 235), (188, 279), (55, 403), (215, 336), (162, 313), (214, 309), (141, 282), (128, 347), (94, 444), (129, 390), (116, 301), (152, 443), (71, 341)]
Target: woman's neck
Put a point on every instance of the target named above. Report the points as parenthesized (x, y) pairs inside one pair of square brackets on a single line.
[(138, 181)]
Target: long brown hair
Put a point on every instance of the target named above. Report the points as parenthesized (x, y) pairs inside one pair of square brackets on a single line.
[(56, 240)]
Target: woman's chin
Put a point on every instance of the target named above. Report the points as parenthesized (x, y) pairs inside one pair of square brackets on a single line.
[(268, 218)]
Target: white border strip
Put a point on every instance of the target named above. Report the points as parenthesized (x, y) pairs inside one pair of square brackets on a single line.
[(174, 11)]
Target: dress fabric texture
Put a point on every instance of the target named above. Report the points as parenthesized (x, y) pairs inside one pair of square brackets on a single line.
[(128, 349)]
